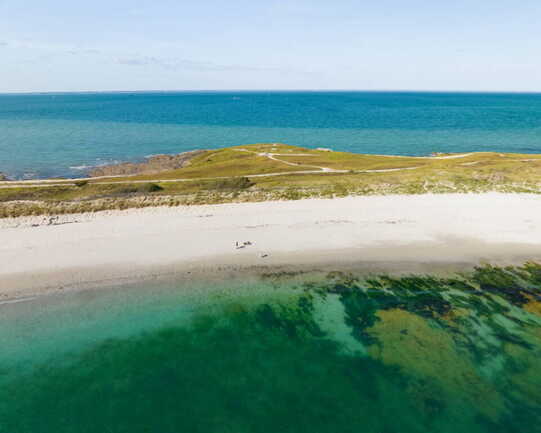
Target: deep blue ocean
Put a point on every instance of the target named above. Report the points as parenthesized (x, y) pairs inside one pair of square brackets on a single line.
[(45, 135)]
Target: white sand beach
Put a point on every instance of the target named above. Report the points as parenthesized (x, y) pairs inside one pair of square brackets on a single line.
[(40, 254)]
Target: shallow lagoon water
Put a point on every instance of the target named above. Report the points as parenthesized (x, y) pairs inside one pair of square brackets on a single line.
[(288, 352)]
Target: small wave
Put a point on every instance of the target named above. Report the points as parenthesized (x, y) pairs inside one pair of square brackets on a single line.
[(81, 167), (17, 301), (88, 167)]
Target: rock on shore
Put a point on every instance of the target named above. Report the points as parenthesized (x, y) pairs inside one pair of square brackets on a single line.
[(154, 164)]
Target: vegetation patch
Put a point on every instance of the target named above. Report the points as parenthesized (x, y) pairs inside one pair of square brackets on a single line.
[(286, 173), (232, 184)]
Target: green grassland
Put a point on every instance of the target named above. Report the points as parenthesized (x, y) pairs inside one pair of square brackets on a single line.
[(220, 163), (277, 172)]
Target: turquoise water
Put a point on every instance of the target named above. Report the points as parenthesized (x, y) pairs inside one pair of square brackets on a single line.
[(45, 135), (280, 352)]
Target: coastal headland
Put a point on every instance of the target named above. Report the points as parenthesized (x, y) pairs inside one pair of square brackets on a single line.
[(268, 172)]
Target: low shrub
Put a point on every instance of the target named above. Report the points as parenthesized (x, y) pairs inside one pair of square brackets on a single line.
[(232, 184), (143, 188), (149, 187)]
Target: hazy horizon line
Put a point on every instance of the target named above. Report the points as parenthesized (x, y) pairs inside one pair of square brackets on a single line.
[(64, 92)]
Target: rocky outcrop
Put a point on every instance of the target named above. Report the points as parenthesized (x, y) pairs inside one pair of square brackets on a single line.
[(154, 164)]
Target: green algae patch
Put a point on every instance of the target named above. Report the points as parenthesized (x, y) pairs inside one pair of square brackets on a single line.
[(285, 351), (533, 306), (430, 355)]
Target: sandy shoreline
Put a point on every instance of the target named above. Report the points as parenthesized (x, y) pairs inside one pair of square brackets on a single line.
[(416, 232)]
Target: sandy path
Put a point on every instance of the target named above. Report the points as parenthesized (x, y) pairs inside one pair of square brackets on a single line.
[(454, 156), (116, 244)]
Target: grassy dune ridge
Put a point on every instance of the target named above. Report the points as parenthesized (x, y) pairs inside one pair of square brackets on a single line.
[(262, 172)]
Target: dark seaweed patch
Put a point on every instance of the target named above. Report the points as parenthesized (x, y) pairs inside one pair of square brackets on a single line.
[(501, 281)]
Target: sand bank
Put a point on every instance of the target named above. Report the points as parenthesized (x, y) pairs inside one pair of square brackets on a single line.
[(39, 254)]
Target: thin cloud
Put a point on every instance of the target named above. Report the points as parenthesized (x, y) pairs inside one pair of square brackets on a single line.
[(36, 53), (52, 49), (143, 61), (177, 63), (83, 51)]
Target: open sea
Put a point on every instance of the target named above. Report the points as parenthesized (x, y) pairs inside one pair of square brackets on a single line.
[(48, 135)]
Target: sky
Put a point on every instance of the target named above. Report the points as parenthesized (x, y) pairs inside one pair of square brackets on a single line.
[(107, 45)]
